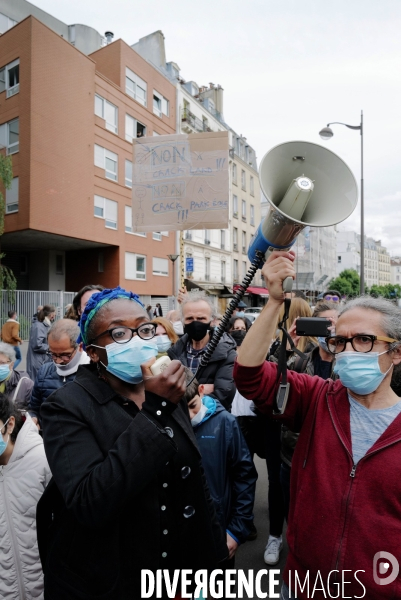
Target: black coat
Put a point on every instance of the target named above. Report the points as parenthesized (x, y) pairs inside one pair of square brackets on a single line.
[(132, 493), (218, 371), (47, 381)]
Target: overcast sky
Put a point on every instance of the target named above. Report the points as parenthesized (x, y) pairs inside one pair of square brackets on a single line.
[(287, 67)]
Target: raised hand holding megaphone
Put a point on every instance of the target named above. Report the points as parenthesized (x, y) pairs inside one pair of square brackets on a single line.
[(305, 184)]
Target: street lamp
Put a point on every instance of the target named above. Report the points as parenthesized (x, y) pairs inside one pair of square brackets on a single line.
[(326, 134), (173, 258)]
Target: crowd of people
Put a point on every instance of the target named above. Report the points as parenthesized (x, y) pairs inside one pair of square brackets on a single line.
[(109, 469)]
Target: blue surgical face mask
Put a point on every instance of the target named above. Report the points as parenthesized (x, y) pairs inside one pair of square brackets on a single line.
[(198, 418), (125, 360), (4, 371), (322, 343), (360, 372), (240, 313), (163, 343), (3, 444)]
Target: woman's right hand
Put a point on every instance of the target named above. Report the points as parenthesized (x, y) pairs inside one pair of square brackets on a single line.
[(278, 267), (170, 384)]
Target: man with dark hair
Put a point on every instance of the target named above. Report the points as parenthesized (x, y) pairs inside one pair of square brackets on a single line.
[(82, 297), (10, 335), (332, 296)]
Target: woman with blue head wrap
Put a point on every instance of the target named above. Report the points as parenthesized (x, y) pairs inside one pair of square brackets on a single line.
[(120, 446)]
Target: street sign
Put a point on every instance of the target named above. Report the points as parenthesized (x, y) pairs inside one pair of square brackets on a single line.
[(189, 265)]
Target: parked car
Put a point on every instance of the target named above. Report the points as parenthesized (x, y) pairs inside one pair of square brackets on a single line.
[(253, 313)]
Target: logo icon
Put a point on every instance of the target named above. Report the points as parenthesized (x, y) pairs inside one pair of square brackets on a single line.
[(381, 565)]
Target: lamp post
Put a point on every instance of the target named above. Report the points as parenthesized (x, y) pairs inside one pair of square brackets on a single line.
[(327, 133), (173, 258)]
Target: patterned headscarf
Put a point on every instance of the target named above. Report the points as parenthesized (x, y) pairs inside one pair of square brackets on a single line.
[(95, 303)]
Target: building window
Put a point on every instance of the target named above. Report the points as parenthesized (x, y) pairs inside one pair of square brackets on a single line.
[(59, 264), (107, 210), (243, 213), (107, 111), (135, 266), (135, 86), (223, 271), (252, 186), (252, 214), (6, 23), (100, 262), (107, 160), (157, 236), (207, 237), (12, 195), (243, 180), (222, 239), (160, 104), (338, 259), (235, 206), (235, 239), (160, 266), (133, 129), (235, 270), (244, 242), (128, 173), (9, 78), (128, 219), (243, 268), (9, 136), (235, 173), (207, 269)]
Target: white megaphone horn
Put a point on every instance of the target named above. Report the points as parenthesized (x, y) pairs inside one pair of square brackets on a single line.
[(305, 184)]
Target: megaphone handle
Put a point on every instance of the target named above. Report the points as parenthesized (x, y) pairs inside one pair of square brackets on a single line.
[(287, 285)]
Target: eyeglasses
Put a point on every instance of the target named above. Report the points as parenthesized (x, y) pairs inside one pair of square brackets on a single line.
[(62, 356), (360, 343), (331, 298), (123, 334)]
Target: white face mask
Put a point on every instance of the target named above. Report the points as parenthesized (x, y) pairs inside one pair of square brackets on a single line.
[(178, 328), (71, 367), (198, 418)]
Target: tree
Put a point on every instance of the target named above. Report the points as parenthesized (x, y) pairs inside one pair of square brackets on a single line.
[(7, 278), (347, 283), (390, 291)]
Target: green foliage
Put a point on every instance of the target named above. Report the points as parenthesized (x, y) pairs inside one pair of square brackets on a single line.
[(347, 283), (390, 291), (7, 278)]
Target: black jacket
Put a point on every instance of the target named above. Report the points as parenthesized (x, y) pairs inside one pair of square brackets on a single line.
[(47, 381), (132, 493), (229, 468), (218, 371)]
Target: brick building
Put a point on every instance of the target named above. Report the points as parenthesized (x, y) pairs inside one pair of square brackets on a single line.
[(69, 121)]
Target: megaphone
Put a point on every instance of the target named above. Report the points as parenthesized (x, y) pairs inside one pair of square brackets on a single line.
[(305, 184)]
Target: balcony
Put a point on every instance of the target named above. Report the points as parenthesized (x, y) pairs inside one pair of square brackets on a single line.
[(190, 123), (207, 242)]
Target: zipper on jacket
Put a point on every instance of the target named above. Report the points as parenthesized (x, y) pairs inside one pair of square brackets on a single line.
[(14, 543)]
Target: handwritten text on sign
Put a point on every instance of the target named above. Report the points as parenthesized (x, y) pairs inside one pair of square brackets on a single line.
[(180, 182)]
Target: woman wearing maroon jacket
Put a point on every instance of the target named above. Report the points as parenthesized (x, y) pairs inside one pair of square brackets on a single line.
[(346, 466)]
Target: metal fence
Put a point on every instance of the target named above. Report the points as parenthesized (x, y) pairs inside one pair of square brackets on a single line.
[(26, 302)]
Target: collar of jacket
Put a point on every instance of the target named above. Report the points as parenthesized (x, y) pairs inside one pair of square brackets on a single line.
[(87, 378), (339, 409)]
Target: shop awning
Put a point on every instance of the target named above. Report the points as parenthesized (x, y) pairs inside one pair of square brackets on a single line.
[(254, 289)]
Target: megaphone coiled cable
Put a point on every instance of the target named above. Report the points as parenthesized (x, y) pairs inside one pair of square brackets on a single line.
[(218, 333)]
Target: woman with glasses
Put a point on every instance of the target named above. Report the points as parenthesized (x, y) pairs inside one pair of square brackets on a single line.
[(346, 465), (24, 474), (128, 491)]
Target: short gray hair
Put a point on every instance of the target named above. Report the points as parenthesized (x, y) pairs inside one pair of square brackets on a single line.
[(197, 296), (8, 351), (64, 327), (391, 314)]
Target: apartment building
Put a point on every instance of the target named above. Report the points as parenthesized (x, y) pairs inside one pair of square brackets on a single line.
[(383, 264), (69, 121), (377, 269), (395, 270)]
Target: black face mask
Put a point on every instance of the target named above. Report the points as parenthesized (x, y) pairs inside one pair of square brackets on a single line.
[(196, 330), (238, 336)]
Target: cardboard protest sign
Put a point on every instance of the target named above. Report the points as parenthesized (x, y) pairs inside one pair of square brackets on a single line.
[(180, 182)]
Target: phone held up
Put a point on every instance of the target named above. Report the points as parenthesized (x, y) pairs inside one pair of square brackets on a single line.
[(313, 326)]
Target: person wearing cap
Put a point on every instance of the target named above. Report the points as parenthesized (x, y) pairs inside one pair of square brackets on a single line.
[(128, 490)]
